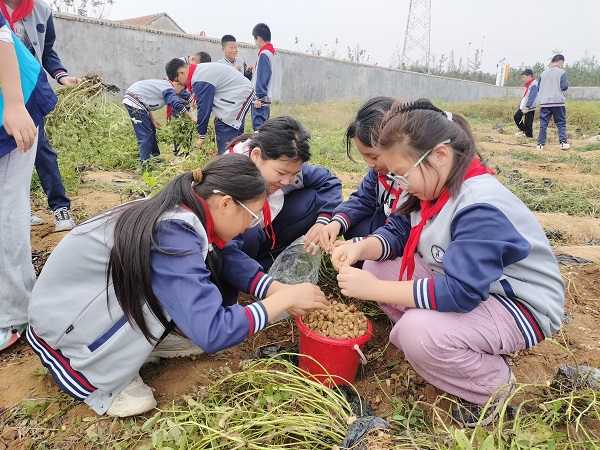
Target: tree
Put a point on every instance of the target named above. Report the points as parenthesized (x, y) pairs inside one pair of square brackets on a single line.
[(91, 8)]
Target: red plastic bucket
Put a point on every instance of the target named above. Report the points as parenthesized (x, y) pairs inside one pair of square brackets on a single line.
[(330, 361)]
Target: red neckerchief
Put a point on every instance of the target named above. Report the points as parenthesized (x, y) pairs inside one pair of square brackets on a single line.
[(210, 224), (527, 86), (269, 231), (268, 46), (384, 180), (428, 210), (188, 83), (22, 10)]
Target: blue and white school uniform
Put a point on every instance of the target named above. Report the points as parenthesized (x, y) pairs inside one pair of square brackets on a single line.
[(309, 199), (220, 90), (80, 333), (141, 98), (263, 85), (369, 207), (17, 275)]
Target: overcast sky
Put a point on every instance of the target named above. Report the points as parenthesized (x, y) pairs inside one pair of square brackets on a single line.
[(522, 31)]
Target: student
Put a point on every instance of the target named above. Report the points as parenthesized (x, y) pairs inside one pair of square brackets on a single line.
[(263, 79), (143, 97), (301, 197), (378, 194), (25, 98), (144, 269), (524, 115), (218, 89), (31, 21), (230, 50), (197, 58), (552, 85), (479, 279)]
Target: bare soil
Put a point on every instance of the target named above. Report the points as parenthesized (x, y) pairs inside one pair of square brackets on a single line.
[(386, 374)]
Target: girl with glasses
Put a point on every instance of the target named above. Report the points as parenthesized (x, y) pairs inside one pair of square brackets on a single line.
[(149, 267), (301, 197), (378, 194), (463, 267)]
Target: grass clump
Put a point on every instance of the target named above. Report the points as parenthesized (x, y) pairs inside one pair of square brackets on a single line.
[(269, 405)]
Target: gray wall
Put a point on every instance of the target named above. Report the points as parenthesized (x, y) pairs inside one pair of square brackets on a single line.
[(123, 54)]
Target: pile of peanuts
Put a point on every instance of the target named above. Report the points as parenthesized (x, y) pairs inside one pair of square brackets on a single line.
[(341, 321)]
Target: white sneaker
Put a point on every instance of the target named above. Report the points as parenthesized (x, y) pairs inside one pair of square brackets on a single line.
[(135, 399), (540, 147), (173, 346), (35, 220), (520, 134), (63, 220), (564, 146)]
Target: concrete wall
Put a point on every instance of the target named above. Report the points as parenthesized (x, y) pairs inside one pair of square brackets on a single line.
[(123, 54)]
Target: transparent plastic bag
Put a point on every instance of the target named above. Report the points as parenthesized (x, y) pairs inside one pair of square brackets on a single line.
[(294, 265)]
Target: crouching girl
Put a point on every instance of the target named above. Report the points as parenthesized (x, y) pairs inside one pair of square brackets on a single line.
[(145, 268)]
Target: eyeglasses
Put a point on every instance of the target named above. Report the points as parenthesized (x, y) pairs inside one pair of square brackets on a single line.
[(401, 179), (256, 220)]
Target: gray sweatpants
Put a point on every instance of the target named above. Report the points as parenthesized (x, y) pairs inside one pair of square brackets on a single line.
[(17, 275)]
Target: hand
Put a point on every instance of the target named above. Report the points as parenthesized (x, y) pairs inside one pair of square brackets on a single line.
[(305, 297), (70, 81), (312, 238), (346, 255), (156, 124), (339, 243), (238, 68), (18, 123), (195, 120), (199, 143), (356, 283), (249, 68), (329, 234), (257, 104), (524, 110)]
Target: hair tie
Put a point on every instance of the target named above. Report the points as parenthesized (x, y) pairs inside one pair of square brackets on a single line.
[(448, 115), (198, 175)]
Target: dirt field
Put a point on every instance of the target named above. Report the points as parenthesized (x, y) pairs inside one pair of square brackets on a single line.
[(21, 378)]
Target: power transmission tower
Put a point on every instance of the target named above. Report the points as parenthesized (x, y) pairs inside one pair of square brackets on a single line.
[(417, 38)]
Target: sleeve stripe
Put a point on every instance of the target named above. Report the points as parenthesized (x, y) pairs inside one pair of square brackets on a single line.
[(358, 239), (259, 314), (261, 285), (343, 219), (386, 253), (421, 293), (323, 219)]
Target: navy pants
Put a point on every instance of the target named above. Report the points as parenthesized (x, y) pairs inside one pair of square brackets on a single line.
[(299, 213), (46, 165), (259, 116), (145, 132), (224, 134), (560, 119)]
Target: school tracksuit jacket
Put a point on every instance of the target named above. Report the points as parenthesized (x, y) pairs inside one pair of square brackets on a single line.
[(80, 333), (485, 242), (241, 62), (377, 196), (220, 89), (37, 93)]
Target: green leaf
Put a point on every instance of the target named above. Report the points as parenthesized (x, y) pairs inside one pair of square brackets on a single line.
[(462, 441), (148, 424)]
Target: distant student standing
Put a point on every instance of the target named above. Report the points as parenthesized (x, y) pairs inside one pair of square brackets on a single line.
[(197, 58), (218, 89), (31, 21), (145, 96), (524, 115), (263, 78), (552, 84), (230, 50)]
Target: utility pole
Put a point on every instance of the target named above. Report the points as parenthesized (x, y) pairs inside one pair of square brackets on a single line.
[(417, 39)]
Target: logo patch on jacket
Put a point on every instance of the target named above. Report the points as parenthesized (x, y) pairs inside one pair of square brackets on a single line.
[(437, 253)]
